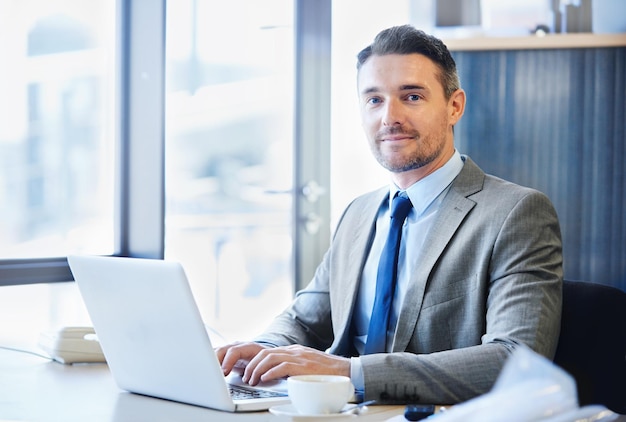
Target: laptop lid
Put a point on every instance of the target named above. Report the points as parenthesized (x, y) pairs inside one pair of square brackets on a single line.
[(152, 334)]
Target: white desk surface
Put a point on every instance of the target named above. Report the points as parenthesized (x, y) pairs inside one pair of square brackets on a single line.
[(38, 390)]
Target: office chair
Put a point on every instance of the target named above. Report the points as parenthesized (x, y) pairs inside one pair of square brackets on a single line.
[(592, 344)]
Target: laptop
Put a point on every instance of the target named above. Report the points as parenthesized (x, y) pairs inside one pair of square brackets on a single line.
[(153, 337)]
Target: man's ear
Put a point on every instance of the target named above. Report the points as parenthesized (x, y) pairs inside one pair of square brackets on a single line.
[(456, 106)]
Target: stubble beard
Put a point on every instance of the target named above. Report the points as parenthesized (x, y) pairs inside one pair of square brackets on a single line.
[(419, 157)]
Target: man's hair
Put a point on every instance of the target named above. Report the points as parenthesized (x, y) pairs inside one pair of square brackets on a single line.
[(406, 39)]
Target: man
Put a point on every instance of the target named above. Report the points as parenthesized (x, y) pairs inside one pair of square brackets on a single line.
[(480, 264)]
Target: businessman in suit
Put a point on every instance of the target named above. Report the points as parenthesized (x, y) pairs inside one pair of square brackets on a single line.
[(479, 265)]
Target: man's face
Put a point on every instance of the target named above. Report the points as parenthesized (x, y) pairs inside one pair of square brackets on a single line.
[(405, 114)]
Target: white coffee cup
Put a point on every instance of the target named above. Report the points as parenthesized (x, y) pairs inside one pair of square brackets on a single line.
[(319, 394)]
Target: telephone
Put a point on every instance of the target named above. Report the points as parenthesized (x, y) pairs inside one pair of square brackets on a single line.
[(72, 345)]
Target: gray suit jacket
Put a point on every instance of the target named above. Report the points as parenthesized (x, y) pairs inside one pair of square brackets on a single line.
[(490, 279)]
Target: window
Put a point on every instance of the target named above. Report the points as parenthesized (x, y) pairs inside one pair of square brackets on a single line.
[(148, 172), (56, 155)]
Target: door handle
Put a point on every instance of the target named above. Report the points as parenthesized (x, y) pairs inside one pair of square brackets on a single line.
[(312, 191)]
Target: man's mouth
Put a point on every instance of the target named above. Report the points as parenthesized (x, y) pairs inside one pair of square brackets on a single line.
[(392, 138)]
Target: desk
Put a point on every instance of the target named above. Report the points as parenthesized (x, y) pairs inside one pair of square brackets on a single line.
[(36, 389)]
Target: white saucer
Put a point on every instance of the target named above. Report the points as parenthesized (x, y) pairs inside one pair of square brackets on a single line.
[(289, 410)]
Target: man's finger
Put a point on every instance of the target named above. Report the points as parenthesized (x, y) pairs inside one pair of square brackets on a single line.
[(239, 355), (276, 363)]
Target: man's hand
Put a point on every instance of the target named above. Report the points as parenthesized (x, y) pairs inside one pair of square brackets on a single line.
[(236, 356), (264, 363)]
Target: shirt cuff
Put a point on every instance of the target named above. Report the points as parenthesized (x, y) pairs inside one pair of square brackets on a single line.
[(356, 374)]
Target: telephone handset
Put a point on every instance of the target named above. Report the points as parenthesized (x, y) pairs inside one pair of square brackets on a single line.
[(72, 345)]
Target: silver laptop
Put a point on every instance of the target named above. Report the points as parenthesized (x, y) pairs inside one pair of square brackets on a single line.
[(153, 336)]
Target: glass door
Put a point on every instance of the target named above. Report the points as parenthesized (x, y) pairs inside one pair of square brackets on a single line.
[(229, 157)]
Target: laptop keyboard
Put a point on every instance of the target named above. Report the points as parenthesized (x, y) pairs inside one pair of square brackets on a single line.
[(238, 392)]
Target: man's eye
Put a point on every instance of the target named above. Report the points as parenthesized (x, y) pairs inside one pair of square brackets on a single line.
[(373, 100), (413, 97)]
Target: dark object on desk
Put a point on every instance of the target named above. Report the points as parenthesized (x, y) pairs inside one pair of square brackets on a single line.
[(592, 344), (417, 412)]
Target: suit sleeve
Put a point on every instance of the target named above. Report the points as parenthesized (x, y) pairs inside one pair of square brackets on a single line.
[(523, 280)]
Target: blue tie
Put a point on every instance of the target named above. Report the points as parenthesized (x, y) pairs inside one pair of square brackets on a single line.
[(386, 277)]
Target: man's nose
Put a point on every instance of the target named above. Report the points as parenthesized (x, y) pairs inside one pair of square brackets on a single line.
[(392, 114)]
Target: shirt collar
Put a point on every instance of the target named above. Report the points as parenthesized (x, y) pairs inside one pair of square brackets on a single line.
[(423, 192)]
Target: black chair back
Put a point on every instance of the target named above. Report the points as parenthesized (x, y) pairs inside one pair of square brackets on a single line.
[(592, 344)]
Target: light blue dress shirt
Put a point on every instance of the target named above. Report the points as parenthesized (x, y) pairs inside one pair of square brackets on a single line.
[(426, 196)]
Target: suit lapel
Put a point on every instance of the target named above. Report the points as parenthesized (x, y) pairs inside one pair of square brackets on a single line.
[(453, 211), (362, 223)]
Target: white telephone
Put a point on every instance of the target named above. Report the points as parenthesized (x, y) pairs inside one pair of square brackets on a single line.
[(72, 345)]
